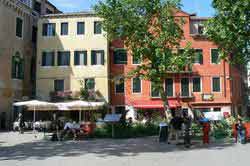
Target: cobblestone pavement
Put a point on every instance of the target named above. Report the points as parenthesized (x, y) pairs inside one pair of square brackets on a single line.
[(26, 150)]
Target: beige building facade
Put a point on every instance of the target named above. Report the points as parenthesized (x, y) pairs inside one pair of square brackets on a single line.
[(72, 52), (17, 55)]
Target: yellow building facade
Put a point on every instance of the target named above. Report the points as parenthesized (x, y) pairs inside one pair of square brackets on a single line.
[(71, 49)]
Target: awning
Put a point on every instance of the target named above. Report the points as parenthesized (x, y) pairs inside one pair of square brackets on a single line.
[(155, 104)]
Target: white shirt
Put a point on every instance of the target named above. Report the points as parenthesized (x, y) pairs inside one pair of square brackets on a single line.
[(68, 125)]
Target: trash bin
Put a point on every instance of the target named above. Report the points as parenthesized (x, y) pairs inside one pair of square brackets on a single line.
[(163, 133)]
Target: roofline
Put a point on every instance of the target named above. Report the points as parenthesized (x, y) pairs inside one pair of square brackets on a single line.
[(73, 14), (52, 5), (200, 18)]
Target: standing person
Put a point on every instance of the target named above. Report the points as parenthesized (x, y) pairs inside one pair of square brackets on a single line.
[(187, 120), (176, 123), (206, 130), (21, 123), (241, 131)]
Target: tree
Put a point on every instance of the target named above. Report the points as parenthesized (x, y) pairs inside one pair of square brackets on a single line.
[(152, 33), (230, 29)]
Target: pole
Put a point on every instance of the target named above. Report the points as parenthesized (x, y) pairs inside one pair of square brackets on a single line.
[(80, 115)]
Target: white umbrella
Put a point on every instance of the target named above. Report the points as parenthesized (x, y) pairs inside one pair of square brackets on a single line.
[(34, 104)]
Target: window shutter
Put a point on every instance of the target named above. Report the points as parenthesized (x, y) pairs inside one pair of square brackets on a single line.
[(76, 58), (53, 59), (201, 58), (53, 29), (93, 58), (169, 87), (102, 58), (45, 29), (13, 66), (85, 58), (43, 59), (21, 69)]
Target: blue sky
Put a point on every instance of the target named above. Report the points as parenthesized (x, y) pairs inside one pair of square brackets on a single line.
[(201, 7)]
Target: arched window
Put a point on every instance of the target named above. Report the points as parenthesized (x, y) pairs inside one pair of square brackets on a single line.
[(17, 66)]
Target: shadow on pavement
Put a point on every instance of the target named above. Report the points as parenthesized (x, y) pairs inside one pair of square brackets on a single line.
[(100, 147)]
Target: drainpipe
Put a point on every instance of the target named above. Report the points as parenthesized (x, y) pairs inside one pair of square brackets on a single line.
[(225, 79)]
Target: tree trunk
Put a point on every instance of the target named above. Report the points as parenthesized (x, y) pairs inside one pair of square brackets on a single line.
[(165, 102)]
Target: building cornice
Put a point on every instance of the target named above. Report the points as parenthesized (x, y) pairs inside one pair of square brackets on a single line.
[(69, 15), (19, 7)]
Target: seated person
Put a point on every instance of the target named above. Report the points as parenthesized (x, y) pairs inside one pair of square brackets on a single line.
[(68, 129)]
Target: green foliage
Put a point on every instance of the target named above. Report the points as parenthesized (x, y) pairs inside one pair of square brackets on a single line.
[(123, 130), (221, 129), (230, 29), (150, 30)]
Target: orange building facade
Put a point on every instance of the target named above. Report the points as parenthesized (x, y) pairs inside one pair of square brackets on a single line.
[(213, 85)]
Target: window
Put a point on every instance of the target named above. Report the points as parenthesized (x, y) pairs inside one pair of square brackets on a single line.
[(34, 34), (216, 84), (136, 85), (217, 109), (154, 90), (80, 58), (120, 56), (58, 85), (136, 60), (64, 28), (90, 83), (63, 58), (215, 56), (97, 57), (120, 110), (48, 59), (80, 28), (198, 59), (197, 84), (185, 87), (200, 29), (169, 85), (19, 27), (119, 86), (17, 67), (49, 29), (37, 7), (97, 27)]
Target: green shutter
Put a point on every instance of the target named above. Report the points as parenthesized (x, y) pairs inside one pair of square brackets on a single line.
[(196, 84), (85, 58), (13, 67), (184, 87), (169, 87), (21, 75), (93, 58), (215, 56), (102, 58)]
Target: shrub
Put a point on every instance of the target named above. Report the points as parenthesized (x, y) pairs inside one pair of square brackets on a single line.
[(123, 130)]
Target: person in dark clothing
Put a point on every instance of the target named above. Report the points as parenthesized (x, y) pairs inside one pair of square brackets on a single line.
[(187, 121), (240, 131), (21, 123), (176, 123)]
